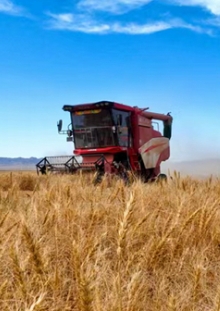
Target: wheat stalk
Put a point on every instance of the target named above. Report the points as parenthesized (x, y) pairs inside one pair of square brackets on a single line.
[(18, 273), (35, 255)]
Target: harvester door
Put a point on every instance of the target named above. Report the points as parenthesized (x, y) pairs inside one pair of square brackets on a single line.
[(121, 120)]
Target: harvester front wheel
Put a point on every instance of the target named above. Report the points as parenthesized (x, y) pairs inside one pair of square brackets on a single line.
[(98, 178)]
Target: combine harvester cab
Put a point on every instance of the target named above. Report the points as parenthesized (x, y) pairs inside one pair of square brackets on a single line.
[(112, 138)]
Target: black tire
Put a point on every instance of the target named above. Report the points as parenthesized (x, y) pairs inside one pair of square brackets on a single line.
[(98, 179), (161, 178)]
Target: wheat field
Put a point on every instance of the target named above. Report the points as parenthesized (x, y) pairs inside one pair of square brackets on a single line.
[(68, 245)]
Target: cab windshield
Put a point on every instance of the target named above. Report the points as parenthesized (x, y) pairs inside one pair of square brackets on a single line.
[(93, 128)]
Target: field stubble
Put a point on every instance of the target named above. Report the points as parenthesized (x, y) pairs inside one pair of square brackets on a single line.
[(67, 245)]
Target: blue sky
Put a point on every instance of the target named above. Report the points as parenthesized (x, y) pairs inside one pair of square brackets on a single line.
[(162, 54)]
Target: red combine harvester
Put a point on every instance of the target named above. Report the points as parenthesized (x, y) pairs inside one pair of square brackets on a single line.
[(112, 138)]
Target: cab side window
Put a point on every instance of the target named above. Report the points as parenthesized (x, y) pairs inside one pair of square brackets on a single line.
[(121, 119)]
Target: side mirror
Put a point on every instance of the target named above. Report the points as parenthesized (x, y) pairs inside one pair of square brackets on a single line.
[(60, 125), (167, 130)]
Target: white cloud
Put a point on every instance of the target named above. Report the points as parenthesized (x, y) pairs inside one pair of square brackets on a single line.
[(136, 29), (179, 23), (91, 22), (65, 18), (121, 6), (8, 7), (113, 6), (83, 23), (211, 5), (76, 22)]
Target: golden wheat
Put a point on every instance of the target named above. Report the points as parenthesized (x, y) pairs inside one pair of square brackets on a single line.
[(68, 245)]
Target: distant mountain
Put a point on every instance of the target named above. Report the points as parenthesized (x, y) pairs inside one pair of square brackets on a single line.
[(18, 163)]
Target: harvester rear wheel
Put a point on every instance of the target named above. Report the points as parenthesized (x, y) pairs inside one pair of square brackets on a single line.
[(161, 178)]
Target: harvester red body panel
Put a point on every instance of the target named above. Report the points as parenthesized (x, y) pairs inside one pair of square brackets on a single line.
[(122, 136)]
